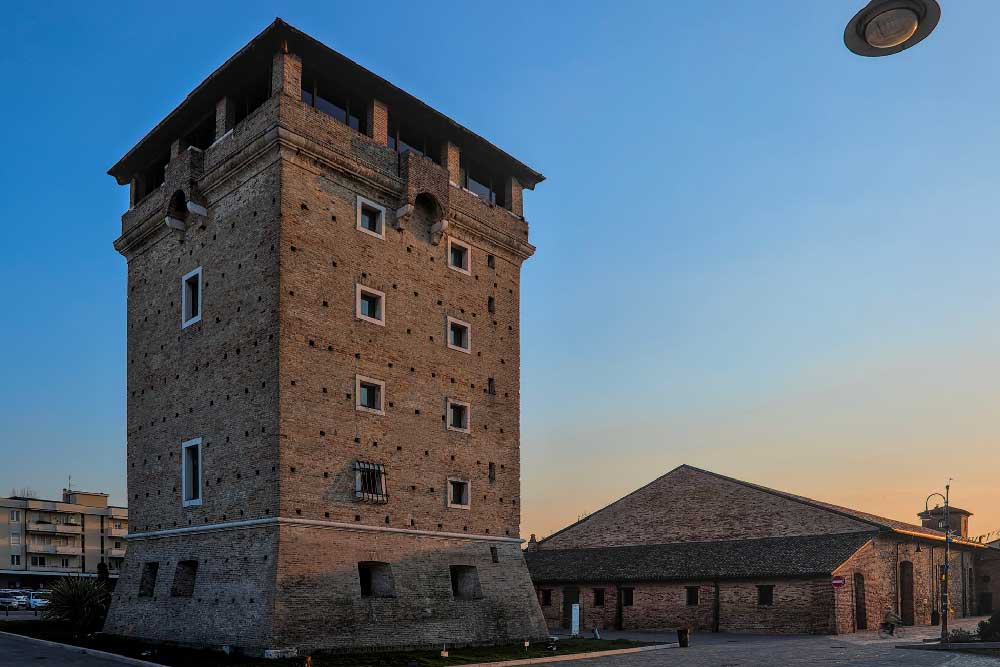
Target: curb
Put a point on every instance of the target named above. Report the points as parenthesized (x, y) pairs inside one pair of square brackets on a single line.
[(570, 656), (952, 646), (89, 651)]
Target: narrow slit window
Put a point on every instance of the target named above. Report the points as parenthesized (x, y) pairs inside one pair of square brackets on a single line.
[(545, 597), (628, 595), (693, 595), (191, 298), (191, 472), (491, 304)]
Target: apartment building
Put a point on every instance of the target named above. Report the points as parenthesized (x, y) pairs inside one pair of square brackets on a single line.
[(42, 539), (323, 366)]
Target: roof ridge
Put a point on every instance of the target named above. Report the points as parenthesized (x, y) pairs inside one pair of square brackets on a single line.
[(852, 533)]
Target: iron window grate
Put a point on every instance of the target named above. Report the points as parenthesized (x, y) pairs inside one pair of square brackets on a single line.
[(370, 482)]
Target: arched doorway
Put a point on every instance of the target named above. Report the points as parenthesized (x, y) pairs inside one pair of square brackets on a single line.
[(860, 604), (906, 612)]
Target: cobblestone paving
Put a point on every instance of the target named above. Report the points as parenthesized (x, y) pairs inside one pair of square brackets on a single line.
[(21, 652)]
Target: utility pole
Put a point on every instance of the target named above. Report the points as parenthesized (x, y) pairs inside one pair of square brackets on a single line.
[(946, 567)]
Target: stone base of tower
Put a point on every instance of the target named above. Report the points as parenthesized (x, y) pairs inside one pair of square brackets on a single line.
[(296, 584), (320, 606)]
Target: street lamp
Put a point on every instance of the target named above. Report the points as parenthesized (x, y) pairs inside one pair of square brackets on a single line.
[(885, 27), (947, 558)]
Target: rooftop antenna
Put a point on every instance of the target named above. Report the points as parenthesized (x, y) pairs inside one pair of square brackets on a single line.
[(69, 483)]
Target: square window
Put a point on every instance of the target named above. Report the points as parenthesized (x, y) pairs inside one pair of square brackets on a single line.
[(64, 562), (15, 559), (458, 493), (459, 255), (459, 335), (371, 218), (184, 577), (627, 596), (15, 538), (370, 482), (457, 415), (38, 561), (598, 597), (765, 596), (147, 582), (545, 596), (369, 392), (693, 595), (369, 305), (191, 472), (191, 298), (376, 580), (465, 582)]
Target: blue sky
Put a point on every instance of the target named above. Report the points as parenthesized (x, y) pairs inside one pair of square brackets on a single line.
[(757, 253)]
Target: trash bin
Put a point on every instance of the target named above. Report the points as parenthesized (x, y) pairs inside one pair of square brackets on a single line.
[(683, 637)]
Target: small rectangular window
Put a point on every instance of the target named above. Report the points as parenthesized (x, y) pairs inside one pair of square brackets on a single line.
[(184, 578), (693, 593), (15, 538), (627, 595), (545, 597), (459, 335), (370, 484), (15, 559), (491, 387), (38, 561), (371, 217), (459, 255), (494, 555), (457, 415), (493, 472), (370, 305), (147, 582), (15, 515), (191, 472), (491, 261), (64, 562), (458, 493), (191, 298), (465, 582), (369, 394), (598, 597), (491, 304), (376, 580), (765, 596)]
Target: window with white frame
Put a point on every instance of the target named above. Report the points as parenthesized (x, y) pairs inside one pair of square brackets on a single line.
[(369, 304), (459, 335), (15, 515), (370, 483), (38, 561), (15, 538), (459, 256), (64, 562), (371, 217), (191, 472), (191, 298), (15, 559), (457, 415), (459, 493), (370, 394)]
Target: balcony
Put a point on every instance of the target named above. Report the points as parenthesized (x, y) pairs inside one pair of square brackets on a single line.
[(44, 527), (116, 532), (115, 553), (65, 549)]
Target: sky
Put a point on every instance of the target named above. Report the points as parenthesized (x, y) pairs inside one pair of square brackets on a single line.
[(757, 253)]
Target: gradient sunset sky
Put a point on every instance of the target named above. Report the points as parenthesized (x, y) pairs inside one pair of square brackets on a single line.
[(757, 253)]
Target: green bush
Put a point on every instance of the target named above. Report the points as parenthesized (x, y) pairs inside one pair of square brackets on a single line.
[(989, 631), (962, 637), (81, 603)]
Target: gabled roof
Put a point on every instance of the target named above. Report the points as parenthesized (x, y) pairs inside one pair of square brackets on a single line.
[(258, 52), (877, 522), (801, 556)]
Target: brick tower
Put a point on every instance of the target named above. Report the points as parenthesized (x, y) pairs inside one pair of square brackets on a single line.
[(323, 366)]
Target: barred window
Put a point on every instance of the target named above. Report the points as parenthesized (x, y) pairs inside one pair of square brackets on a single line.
[(370, 482)]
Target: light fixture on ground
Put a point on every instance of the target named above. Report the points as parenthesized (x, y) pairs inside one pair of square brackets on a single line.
[(885, 27)]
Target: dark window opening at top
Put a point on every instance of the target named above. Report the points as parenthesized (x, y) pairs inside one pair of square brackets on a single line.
[(249, 97), (405, 137), (484, 183), (203, 134), (151, 178), (327, 97), (765, 596)]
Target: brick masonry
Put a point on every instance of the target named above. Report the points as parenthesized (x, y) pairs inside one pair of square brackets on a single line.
[(267, 380)]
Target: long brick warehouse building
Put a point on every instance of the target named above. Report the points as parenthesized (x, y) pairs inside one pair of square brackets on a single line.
[(323, 366), (698, 549)]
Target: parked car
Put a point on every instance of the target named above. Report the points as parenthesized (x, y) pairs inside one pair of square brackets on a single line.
[(12, 600), (39, 599)]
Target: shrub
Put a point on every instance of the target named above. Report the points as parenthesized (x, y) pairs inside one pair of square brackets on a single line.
[(962, 637), (81, 603), (989, 631)]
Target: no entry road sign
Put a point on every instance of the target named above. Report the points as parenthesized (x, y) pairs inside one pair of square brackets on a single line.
[(838, 582)]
